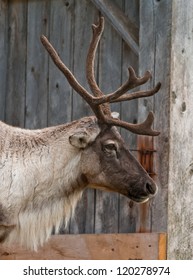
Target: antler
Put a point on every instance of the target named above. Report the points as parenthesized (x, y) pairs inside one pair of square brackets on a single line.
[(97, 32), (100, 103)]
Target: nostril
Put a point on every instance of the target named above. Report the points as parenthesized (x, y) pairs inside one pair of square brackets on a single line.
[(150, 188)]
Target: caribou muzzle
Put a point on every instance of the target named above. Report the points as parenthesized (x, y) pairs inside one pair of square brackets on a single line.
[(142, 193)]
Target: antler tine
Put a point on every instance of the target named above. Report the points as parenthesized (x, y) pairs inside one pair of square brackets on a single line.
[(138, 94), (132, 82), (143, 128), (97, 32)]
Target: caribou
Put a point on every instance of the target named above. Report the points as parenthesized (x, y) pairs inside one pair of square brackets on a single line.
[(45, 171)]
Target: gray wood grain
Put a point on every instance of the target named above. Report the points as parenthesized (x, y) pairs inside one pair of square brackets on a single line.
[(16, 74), (146, 62), (180, 209), (37, 65), (62, 35), (3, 55), (162, 112), (154, 53), (128, 211)]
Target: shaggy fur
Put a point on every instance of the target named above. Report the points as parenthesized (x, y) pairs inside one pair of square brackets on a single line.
[(40, 181)]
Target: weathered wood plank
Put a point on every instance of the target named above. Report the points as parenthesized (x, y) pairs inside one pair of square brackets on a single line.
[(37, 65), (61, 34), (3, 55), (86, 14), (146, 62), (132, 12), (154, 53), (94, 247), (180, 197), (128, 211), (16, 83), (162, 112), (129, 110), (125, 27)]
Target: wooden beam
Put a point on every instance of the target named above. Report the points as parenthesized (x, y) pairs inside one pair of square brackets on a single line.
[(140, 246), (180, 197), (124, 26)]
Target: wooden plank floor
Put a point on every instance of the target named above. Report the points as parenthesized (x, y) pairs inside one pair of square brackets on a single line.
[(136, 246)]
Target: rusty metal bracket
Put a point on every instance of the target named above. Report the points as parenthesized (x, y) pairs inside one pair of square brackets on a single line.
[(145, 153)]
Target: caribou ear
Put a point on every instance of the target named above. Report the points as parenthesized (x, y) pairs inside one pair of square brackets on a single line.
[(81, 138)]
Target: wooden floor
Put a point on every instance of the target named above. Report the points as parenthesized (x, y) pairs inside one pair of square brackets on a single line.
[(137, 246)]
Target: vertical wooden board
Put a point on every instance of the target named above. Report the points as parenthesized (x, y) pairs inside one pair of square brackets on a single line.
[(180, 189), (16, 84), (154, 57), (85, 15), (162, 113), (129, 110), (132, 11), (128, 211), (110, 64), (83, 220), (146, 62), (147, 52), (106, 219), (37, 65), (61, 36), (3, 55)]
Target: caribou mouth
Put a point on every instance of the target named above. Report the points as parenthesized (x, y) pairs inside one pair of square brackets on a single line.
[(139, 199)]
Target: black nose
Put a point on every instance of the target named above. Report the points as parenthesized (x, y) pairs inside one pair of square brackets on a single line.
[(150, 188)]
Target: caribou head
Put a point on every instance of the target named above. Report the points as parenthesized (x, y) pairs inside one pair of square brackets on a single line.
[(106, 161)]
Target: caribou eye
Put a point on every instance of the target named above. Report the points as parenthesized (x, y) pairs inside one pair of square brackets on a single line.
[(110, 147)]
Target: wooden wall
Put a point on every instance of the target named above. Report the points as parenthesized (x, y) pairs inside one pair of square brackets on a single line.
[(34, 93)]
